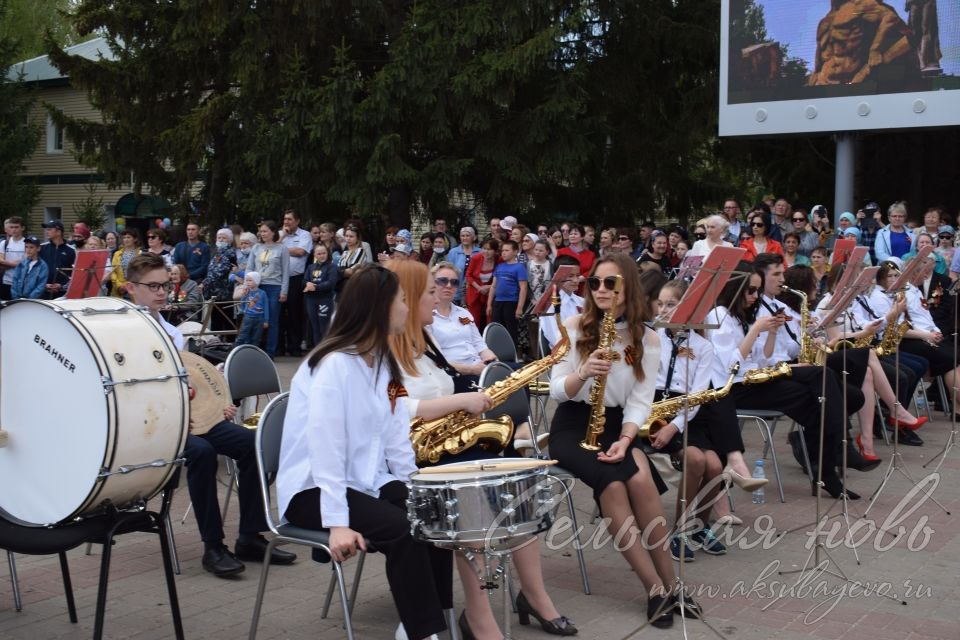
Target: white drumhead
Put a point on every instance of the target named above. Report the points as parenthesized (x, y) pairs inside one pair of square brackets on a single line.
[(54, 409)]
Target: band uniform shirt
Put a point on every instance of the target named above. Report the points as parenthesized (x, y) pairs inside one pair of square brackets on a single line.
[(694, 359), (622, 387), (726, 340), (342, 431), (848, 320), (570, 305), (866, 308), (920, 317), (787, 347), (431, 382), (457, 336)]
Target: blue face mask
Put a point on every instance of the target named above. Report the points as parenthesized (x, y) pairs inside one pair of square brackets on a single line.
[(222, 245)]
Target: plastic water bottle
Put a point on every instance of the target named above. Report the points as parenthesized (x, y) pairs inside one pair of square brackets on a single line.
[(758, 497)]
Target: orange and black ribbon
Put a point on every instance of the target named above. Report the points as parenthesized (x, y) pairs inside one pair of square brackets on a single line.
[(395, 390)]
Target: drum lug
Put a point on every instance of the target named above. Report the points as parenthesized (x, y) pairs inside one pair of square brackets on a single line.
[(506, 498), (452, 517), (451, 503)]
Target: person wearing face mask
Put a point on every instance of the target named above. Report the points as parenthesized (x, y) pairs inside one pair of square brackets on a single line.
[(235, 279), (441, 244), (216, 285)]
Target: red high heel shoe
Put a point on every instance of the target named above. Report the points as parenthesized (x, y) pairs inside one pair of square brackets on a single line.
[(866, 456), (893, 422)]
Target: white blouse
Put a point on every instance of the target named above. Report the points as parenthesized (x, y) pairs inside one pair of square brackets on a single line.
[(457, 336), (433, 382), (920, 317), (341, 432), (703, 248), (699, 368), (726, 340), (570, 305), (786, 348), (622, 388)]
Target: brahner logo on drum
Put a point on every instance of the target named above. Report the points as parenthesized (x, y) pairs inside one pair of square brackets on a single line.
[(46, 346)]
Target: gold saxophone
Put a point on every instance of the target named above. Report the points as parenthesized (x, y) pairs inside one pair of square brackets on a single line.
[(810, 351), (458, 431), (662, 412), (893, 334), (767, 374), (608, 335)]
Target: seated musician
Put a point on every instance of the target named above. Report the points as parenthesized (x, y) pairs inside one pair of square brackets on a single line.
[(429, 386), (148, 283), (624, 483), (745, 337), (935, 291), (346, 455), (686, 367), (571, 304), (862, 364)]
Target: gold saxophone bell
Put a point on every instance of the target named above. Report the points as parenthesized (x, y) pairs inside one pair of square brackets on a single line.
[(251, 421), (767, 374), (662, 412)]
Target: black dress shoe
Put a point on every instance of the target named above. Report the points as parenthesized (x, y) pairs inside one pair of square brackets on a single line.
[(857, 461), (221, 563), (561, 626), (909, 438), (256, 549), (660, 611), (835, 488)]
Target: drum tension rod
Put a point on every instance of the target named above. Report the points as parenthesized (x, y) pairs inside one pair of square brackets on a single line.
[(109, 384), (129, 468)]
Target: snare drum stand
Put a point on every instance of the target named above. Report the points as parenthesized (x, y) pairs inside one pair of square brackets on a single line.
[(495, 574)]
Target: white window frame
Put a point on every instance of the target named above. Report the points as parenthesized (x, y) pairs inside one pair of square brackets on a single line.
[(54, 137)]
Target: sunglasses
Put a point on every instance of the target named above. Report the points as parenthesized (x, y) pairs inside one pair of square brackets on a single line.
[(946, 236), (608, 283), (700, 236), (757, 224), (623, 238), (152, 236), (799, 219), (447, 282), (752, 290)]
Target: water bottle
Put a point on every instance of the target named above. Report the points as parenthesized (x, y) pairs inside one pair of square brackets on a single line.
[(758, 497)]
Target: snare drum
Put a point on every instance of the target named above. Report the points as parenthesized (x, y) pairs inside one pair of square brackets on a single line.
[(94, 398), (497, 508)]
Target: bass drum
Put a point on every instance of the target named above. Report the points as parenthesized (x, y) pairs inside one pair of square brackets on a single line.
[(94, 400)]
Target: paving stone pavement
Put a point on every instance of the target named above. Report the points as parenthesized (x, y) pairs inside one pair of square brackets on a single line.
[(738, 591)]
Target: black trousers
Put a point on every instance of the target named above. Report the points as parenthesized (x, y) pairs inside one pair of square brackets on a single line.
[(505, 314), (292, 317), (798, 397), (236, 442), (6, 292), (420, 575)]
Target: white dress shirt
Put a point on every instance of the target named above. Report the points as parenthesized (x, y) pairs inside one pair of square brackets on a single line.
[(622, 388), (920, 317), (431, 382), (570, 305), (787, 348), (341, 433), (703, 247), (299, 239), (864, 304), (699, 368), (457, 336), (848, 321), (171, 330), (726, 340)]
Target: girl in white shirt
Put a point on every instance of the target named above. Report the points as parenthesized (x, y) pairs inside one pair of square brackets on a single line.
[(624, 483), (346, 450), (430, 395)]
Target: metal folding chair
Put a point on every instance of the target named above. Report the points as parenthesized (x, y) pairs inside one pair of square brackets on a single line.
[(766, 422)]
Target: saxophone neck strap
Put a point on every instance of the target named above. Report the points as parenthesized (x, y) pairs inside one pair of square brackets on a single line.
[(674, 350), (773, 311), (432, 352)]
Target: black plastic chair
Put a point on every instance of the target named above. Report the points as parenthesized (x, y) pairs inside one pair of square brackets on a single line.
[(499, 340), (100, 529)]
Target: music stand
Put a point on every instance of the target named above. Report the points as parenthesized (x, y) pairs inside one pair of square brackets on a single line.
[(854, 266), (896, 463), (91, 266), (954, 438), (689, 315), (841, 250)]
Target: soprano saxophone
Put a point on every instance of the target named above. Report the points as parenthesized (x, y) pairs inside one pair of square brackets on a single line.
[(608, 335), (458, 431)]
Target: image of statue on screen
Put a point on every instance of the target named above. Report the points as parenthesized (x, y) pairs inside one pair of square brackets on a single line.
[(789, 50)]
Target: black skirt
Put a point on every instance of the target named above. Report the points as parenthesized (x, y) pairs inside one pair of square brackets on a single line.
[(569, 427), (714, 428), (940, 356)]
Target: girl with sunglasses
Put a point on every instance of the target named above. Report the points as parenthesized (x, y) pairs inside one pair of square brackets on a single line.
[(742, 336), (430, 394), (625, 485), (759, 242)]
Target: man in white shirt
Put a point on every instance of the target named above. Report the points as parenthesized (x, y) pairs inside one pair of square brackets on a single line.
[(570, 304), (148, 283), (731, 210), (299, 244), (11, 252)]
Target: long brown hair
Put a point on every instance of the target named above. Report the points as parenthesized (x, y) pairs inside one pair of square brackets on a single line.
[(361, 324), (636, 310), (410, 345)]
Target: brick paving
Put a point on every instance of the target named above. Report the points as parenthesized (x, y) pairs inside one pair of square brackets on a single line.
[(740, 604)]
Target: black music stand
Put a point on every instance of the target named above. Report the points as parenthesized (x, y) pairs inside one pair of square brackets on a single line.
[(689, 315), (954, 437)]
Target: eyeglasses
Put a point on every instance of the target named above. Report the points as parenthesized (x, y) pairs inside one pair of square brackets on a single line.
[(623, 238), (799, 219), (730, 208), (156, 287), (447, 282), (151, 236), (757, 224), (752, 290), (608, 283), (700, 236), (946, 236)]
